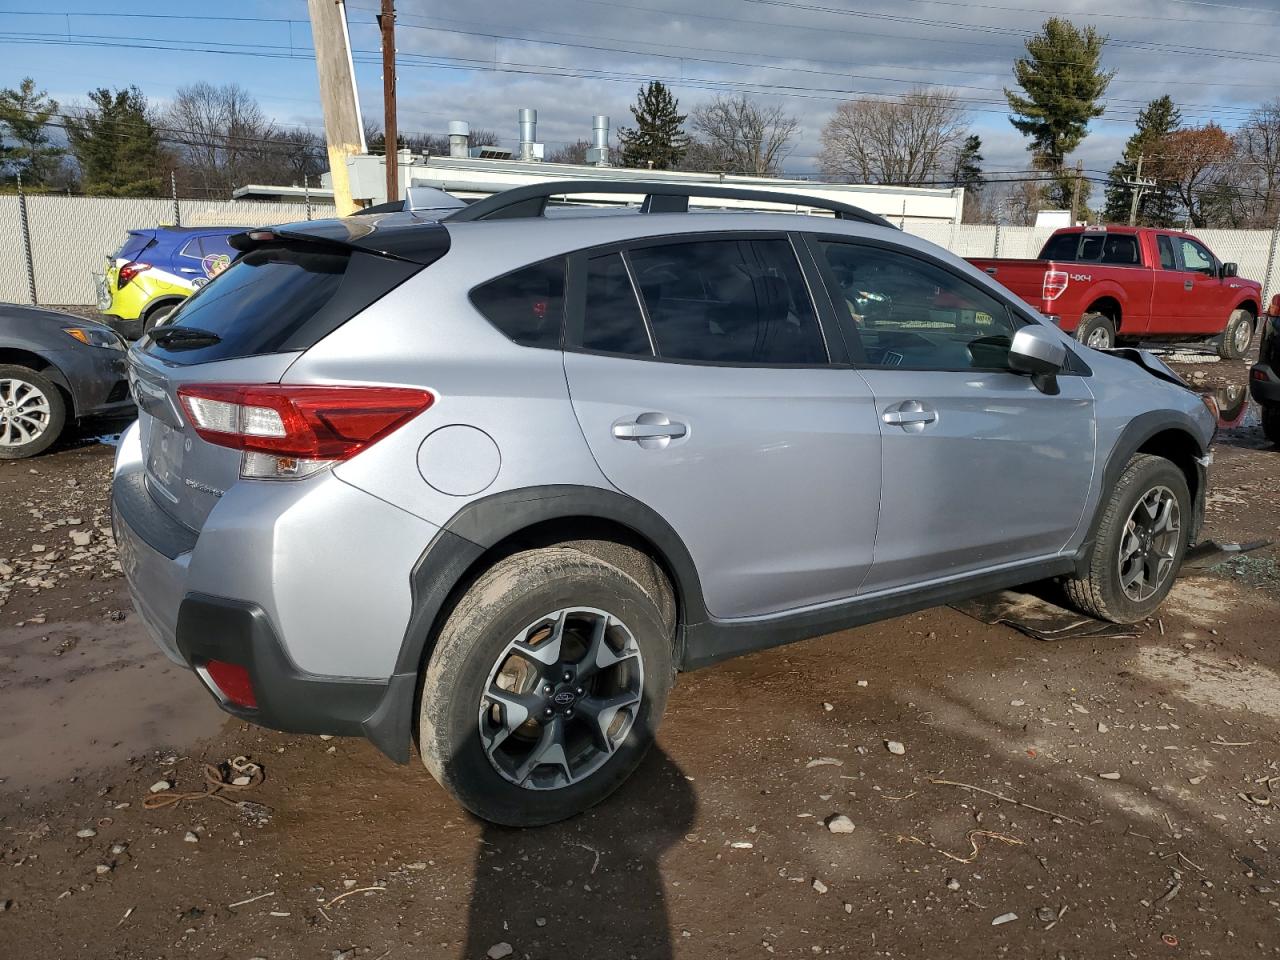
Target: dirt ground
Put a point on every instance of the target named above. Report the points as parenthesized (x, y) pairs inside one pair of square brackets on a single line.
[(1153, 762)]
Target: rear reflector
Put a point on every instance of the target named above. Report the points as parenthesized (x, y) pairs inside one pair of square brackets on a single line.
[(1055, 282), (232, 682), (290, 431)]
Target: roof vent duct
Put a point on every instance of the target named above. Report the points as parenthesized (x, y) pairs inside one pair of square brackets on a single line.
[(459, 138), (530, 149), (599, 151)]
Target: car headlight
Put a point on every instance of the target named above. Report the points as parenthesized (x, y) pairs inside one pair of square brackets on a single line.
[(95, 337)]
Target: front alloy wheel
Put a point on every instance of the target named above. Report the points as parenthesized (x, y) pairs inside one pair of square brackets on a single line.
[(1149, 545), (1138, 544), (32, 413), (561, 697)]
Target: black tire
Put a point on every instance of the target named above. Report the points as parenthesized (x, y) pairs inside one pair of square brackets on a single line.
[(1100, 592), (501, 605), (1233, 345), (46, 425), (1099, 328), (156, 314), (1271, 422)]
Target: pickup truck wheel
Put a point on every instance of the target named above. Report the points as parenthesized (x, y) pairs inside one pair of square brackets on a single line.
[(545, 687), (1238, 336), (1271, 423), (1139, 545), (32, 412), (1097, 331)]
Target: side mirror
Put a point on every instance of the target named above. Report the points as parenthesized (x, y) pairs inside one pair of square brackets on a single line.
[(1038, 353), (1230, 269)]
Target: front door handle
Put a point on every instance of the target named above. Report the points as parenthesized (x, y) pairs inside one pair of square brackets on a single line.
[(1188, 284), (650, 430), (911, 415)]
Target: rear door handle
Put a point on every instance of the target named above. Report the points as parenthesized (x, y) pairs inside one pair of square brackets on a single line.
[(1188, 284), (912, 415), (650, 430)]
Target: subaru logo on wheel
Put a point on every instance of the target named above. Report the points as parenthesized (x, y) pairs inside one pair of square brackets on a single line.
[(563, 698)]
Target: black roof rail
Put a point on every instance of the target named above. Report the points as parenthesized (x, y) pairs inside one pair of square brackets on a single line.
[(531, 200)]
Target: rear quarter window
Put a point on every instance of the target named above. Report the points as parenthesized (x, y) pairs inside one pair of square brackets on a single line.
[(527, 305), (281, 298)]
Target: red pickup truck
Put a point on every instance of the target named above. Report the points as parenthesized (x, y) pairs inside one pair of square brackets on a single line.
[(1109, 283)]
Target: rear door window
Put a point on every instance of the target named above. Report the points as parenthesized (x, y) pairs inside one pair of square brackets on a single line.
[(728, 301), (282, 297), (1167, 260), (526, 305), (612, 321), (1121, 250)]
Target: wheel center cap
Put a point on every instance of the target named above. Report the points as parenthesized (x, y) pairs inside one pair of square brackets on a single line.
[(564, 698)]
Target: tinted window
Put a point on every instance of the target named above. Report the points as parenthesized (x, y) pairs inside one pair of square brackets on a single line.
[(134, 244), (1195, 257), (728, 301), (909, 313), (282, 297), (1090, 247), (1167, 260), (612, 321), (1061, 246), (527, 305), (1121, 250)]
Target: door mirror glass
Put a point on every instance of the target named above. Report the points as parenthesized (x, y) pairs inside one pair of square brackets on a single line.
[(1037, 352), (1230, 269)]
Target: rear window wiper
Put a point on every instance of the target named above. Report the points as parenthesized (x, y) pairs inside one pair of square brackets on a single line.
[(178, 338)]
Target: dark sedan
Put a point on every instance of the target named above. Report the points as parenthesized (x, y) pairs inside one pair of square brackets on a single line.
[(55, 368), (1264, 378)]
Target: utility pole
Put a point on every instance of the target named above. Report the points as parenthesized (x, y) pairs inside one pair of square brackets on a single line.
[(343, 126), (1139, 187), (387, 23), (1075, 192)]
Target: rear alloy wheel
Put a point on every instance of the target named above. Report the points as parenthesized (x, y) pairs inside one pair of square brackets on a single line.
[(545, 687), (1140, 543), (1097, 331), (1238, 336), (157, 315), (32, 413)]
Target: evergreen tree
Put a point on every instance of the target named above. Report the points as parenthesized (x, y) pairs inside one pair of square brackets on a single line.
[(25, 146), (1158, 206), (1062, 81), (966, 164), (657, 139), (117, 146)]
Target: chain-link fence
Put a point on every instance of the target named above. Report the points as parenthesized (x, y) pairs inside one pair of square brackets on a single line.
[(70, 237)]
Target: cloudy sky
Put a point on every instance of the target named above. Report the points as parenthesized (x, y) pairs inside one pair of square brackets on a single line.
[(571, 59)]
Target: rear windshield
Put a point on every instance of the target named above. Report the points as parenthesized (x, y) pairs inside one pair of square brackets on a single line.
[(134, 244), (281, 298), (1115, 249)]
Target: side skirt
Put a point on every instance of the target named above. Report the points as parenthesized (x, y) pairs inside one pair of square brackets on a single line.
[(710, 642)]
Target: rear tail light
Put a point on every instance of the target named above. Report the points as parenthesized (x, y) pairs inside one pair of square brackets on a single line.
[(1055, 282), (129, 271), (287, 432), (232, 682)]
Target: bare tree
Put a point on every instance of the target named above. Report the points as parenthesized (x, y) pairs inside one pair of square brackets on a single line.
[(1258, 153), (1197, 163), (907, 142), (744, 136), (575, 152)]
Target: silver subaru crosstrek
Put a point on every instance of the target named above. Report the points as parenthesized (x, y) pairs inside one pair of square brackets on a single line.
[(488, 481)]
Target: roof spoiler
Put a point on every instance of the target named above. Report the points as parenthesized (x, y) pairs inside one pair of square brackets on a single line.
[(399, 235)]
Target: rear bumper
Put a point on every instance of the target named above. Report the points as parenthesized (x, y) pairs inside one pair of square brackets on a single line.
[(1264, 384), (306, 585)]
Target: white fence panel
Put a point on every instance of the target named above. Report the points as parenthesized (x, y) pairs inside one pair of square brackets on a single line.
[(13, 259)]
